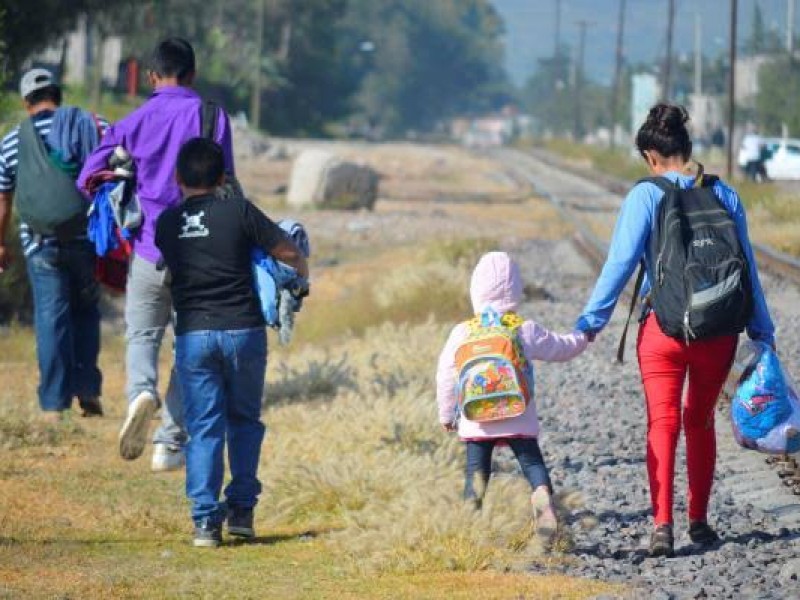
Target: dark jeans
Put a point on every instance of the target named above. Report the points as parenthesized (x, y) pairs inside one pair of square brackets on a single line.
[(67, 322), (479, 460)]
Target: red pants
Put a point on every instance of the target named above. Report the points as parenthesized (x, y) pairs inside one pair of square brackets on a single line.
[(664, 363)]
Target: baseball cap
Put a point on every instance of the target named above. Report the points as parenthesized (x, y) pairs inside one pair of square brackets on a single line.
[(34, 80)]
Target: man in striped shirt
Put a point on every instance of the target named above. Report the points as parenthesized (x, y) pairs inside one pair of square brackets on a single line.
[(61, 271)]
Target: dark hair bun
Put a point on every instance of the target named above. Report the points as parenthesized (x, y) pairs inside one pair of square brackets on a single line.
[(668, 117), (665, 131)]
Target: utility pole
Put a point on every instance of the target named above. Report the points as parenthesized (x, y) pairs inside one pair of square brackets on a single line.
[(667, 80), (698, 56), (578, 132), (255, 96), (558, 28), (731, 89), (790, 26), (617, 72)]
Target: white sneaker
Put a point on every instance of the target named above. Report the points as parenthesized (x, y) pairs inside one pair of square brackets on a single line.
[(167, 458), (133, 435)]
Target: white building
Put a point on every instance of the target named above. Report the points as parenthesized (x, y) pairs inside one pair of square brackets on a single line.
[(79, 56)]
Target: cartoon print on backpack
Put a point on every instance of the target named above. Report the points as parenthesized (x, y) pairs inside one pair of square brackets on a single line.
[(495, 380)]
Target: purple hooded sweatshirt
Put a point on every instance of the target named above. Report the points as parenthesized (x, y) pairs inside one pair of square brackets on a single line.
[(497, 282), (153, 134)]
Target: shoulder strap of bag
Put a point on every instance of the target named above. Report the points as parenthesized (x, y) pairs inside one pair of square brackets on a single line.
[(29, 136), (636, 289), (662, 183), (208, 119)]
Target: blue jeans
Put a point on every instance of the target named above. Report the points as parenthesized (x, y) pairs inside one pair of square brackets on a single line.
[(148, 311), (479, 461), (221, 375), (67, 322)]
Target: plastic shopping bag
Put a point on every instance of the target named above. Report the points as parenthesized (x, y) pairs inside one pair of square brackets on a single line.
[(765, 410)]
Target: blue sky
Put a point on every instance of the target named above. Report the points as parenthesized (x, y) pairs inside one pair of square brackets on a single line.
[(530, 27)]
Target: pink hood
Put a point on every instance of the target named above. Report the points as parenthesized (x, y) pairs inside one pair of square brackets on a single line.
[(496, 282)]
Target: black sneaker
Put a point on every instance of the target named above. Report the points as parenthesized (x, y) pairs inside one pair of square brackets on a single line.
[(90, 406), (240, 522), (662, 542), (701, 533), (207, 534)]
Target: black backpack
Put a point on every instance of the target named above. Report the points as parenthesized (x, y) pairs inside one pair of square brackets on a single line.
[(700, 282)]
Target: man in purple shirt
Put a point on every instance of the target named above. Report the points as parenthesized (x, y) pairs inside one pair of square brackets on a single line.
[(153, 134)]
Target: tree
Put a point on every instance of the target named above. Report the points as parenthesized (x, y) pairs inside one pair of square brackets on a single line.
[(15, 293), (31, 25), (430, 60), (776, 102), (761, 39)]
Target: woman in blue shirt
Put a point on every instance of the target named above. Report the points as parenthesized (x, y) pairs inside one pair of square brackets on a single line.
[(667, 362)]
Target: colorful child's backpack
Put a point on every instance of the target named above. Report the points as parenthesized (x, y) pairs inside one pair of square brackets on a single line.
[(765, 411), (495, 380)]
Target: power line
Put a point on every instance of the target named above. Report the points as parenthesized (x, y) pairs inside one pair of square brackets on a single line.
[(578, 130)]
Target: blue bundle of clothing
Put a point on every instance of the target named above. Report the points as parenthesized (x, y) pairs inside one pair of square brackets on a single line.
[(277, 284)]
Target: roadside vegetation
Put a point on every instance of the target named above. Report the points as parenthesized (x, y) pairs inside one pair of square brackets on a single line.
[(773, 209)]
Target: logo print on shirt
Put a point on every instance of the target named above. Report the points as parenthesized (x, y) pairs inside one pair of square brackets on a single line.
[(193, 225)]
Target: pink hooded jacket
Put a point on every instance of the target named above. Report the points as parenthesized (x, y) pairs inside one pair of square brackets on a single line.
[(496, 282)]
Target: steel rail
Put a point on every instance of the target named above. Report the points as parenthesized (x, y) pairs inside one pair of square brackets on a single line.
[(595, 250)]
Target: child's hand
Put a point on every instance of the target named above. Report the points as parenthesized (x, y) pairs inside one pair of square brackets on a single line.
[(449, 427)]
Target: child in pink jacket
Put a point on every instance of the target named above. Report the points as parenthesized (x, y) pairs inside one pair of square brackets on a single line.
[(496, 283)]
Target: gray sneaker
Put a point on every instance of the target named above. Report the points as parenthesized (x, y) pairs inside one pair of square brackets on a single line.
[(240, 522), (207, 534)]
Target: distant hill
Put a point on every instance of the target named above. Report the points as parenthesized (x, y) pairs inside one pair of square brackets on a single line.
[(531, 33)]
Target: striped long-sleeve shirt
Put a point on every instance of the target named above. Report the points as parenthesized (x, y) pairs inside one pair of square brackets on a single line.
[(9, 159)]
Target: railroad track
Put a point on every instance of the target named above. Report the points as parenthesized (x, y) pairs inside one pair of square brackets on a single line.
[(594, 250)]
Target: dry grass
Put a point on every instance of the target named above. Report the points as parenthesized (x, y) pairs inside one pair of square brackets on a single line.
[(361, 498), (361, 486)]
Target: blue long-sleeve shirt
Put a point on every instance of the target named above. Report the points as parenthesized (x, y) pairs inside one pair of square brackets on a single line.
[(629, 244)]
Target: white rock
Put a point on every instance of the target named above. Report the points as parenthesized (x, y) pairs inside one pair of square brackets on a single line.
[(320, 178)]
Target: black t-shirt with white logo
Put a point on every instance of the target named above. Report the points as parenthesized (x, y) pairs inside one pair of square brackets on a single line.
[(206, 244)]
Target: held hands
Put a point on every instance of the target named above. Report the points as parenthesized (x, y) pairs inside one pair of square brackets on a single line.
[(449, 427)]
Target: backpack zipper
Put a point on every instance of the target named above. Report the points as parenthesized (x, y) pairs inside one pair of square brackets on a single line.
[(688, 334)]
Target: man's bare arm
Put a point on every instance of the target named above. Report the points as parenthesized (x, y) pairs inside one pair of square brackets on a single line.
[(6, 199)]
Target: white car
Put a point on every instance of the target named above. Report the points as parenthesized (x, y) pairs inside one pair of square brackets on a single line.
[(784, 158)]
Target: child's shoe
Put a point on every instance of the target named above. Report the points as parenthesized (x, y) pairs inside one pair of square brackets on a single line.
[(207, 534), (544, 514), (240, 522)]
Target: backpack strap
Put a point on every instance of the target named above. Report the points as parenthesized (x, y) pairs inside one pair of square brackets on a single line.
[(662, 183), (208, 119), (636, 289)]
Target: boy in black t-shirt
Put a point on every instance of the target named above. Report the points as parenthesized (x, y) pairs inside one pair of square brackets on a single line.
[(220, 345)]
